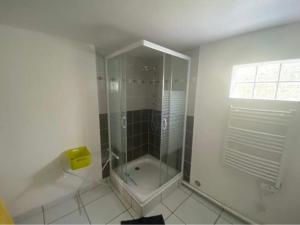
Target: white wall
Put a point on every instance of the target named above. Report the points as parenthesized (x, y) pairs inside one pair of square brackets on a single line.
[(235, 189), (194, 54), (48, 95)]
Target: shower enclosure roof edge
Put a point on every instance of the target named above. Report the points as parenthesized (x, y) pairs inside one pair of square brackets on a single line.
[(148, 44)]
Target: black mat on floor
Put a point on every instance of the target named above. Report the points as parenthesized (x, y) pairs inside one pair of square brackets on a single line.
[(146, 220)]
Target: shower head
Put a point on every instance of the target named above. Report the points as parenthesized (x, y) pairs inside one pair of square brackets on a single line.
[(147, 68)]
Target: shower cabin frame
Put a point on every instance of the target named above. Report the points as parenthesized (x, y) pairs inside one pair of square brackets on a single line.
[(150, 45)]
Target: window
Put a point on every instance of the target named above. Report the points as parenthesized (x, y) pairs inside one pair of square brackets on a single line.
[(278, 80)]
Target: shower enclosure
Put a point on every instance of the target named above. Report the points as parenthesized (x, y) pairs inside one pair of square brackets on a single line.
[(147, 88)]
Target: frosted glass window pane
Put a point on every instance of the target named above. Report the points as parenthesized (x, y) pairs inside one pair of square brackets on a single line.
[(244, 73), (241, 90), (289, 91), (268, 72), (274, 80), (265, 90), (290, 72)]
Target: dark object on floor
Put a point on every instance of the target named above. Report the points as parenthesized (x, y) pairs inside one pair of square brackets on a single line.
[(137, 168), (146, 220)]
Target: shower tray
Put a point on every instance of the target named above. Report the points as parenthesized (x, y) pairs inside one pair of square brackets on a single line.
[(142, 191)]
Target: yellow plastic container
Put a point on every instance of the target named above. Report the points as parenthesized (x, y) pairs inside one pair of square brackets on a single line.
[(5, 218), (78, 157)]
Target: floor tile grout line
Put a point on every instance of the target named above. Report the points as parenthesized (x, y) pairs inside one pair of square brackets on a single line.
[(168, 209), (188, 195), (84, 209), (166, 206), (60, 200), (112, 191), (126, 209), (69, 213), (122, 201), (88, 203), (178, 218), (172, 212), (116, 216), (182, 202), (182, 189), (87, 215), (71, 196), (219, 216), (77, 208), (222, 209), (131, 213), (104, 184)]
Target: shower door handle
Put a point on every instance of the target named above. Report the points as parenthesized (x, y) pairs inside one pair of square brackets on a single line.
[(164, 124), (115, 155), (124, 122)]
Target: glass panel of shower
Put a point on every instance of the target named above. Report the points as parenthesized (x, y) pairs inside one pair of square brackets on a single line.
[(116, 90), (146, 87), (173, 115)]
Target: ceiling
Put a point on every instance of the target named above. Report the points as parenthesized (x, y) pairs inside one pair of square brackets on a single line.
[(178, 24)]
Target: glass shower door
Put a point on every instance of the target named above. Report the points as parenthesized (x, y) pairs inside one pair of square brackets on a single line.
[(116, 90), (165, 112), (178, 91), (173, 115)]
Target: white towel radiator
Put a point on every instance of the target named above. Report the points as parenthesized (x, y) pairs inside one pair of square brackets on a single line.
[(256, 142)]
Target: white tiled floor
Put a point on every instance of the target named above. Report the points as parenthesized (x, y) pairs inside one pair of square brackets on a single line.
[(160, 209), (227, 218), (33, 218), (101, 205), (173, 200), (105, 209), (77, 217), (193, 212), (123, 216), (173, 219), (95, 193), (206, 203), (59, 210)]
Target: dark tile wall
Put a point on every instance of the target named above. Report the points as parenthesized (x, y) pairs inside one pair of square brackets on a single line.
[(188, 148), (104, 142), (138, 123), (154, 133), (143, 136), (138, 126)]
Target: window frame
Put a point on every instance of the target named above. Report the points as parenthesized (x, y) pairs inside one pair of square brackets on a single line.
[(254, 82)]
